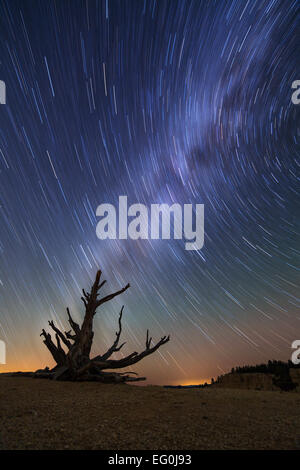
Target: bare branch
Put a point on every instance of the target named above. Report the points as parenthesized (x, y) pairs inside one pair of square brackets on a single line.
[(73, 324), (96, 286), (60, 349), (101, 285), (86, 294), (54, 350), (148, 340), (60, 334), (111, 296), (132, 358), (114, 347), (70, 336)]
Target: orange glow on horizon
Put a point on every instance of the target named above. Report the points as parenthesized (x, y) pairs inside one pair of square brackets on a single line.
[(195, 382)]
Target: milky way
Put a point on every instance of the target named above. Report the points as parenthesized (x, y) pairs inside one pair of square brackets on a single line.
[(162, 101)]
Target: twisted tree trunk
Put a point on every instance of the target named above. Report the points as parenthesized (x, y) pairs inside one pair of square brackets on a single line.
[(73, 362)]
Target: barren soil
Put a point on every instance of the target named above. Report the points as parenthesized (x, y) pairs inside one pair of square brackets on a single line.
[(41, 414)]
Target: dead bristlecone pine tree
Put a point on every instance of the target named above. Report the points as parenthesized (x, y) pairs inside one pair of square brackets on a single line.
[(72, 349)]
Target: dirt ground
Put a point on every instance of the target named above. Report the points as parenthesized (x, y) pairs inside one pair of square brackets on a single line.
[(41, 414)]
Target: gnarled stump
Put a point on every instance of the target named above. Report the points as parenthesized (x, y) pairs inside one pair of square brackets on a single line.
[(72, 349)]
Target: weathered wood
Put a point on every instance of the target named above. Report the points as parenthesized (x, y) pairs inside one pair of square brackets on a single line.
[(60, 334), (75, 363), (114, 347)]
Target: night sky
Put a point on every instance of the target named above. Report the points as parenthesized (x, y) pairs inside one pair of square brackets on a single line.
[(162, 101)]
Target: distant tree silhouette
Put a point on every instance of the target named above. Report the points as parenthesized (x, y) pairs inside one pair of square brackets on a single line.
[(280, 370), (272, 367)]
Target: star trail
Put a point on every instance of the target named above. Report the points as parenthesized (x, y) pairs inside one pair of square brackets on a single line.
[(164, 101)]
